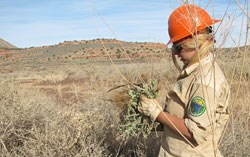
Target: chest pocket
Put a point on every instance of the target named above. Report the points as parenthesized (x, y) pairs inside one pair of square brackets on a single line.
[(178, 98), (175, 106)]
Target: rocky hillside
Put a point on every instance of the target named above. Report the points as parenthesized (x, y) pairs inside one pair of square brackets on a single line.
[(98, 50), (6, 45), (82, 52)]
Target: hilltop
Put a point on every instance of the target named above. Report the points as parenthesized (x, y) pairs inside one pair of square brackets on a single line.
[(96, 50), (83, 51), (6, 45)]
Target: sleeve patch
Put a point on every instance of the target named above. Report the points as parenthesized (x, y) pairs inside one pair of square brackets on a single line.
[(197, 106)]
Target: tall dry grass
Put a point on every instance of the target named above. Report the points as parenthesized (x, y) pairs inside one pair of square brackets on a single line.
[(32, 124), (35, 123)]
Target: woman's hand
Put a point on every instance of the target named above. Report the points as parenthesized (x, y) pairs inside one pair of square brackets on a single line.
[(149, 107)]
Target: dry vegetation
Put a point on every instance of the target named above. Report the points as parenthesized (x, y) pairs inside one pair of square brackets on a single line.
[(54, 100), (61, 107)]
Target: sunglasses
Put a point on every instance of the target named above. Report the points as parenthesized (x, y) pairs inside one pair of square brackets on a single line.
[(176, 49)]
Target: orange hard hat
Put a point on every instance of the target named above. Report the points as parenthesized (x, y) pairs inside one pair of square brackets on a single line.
[(187, 20)]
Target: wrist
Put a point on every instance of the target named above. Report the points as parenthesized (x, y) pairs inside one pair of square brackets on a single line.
[(155, 114)]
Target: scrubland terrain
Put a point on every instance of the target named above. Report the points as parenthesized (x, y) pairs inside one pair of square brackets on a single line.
[(54, 100)]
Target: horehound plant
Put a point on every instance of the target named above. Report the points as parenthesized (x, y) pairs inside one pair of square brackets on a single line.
[(134, 123)]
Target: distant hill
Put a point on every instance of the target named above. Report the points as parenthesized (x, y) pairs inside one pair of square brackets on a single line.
[(84, 51), (106, 52), (6, 45), (98, 48)]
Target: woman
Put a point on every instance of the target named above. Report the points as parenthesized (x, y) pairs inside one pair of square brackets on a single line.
[(196, 112)]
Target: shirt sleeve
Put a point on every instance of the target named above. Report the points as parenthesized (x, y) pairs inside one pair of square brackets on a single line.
[(200, 113)]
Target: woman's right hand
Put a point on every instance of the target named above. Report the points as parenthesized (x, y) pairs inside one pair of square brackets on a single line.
[(149, 107)]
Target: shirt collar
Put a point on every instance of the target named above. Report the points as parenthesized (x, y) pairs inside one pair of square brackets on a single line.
[(187, 71)]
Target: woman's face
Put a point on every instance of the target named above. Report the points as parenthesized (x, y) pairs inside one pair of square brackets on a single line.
[(186, 55), (183, 53)]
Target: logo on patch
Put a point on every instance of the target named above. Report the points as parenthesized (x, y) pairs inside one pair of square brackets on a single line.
[(197, 106)]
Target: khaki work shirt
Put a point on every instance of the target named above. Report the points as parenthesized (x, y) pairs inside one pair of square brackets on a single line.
[(200, 96)]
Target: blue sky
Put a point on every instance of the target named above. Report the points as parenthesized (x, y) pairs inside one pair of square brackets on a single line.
[(26, 23)]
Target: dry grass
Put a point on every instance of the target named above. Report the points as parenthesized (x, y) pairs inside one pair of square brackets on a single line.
[(237, 138), (32, 124), (54, 100), (77, 117), (36, 122)]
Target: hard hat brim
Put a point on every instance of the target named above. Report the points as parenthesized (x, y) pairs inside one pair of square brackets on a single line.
[(172, 40)]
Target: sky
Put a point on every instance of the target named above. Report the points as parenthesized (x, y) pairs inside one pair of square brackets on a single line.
[(27, 23)]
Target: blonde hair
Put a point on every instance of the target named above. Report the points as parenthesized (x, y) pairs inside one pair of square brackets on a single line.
[(202, 43)]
